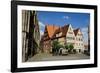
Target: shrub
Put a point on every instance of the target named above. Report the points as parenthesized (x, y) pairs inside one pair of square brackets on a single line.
[(67, 47), (71, 47), (55, 47)]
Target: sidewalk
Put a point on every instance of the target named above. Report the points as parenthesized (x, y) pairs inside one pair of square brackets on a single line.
[(39, 57), (49, 57)]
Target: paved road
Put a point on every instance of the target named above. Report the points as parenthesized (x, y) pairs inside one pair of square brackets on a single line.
[(49, 57)]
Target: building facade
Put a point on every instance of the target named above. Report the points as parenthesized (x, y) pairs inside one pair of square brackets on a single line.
[(65, 35), (46, 40), (30, 34), (79, 45)]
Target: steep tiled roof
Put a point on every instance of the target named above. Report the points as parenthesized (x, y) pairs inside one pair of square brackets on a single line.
[(51, 30), (63, 29), (76, 31)]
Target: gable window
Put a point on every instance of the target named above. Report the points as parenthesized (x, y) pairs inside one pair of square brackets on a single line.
[(70, 38), (69, 28), (70, 32), (60, 33)]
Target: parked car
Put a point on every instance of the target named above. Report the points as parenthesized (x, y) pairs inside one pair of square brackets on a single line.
[(63, 51)]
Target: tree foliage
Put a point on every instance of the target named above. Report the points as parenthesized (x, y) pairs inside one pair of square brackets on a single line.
[(71, 47), (55, 47), (55, 44), (66, 46)]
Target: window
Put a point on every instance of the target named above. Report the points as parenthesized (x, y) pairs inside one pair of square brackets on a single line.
[(70, 38), (60, 33), (80, 34), (79, 39), (70, 32), (69, 28), (56, 35)]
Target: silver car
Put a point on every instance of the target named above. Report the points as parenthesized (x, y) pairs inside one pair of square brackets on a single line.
[(63, 51)]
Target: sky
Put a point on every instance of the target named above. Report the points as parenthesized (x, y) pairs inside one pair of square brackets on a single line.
[(77, 20)]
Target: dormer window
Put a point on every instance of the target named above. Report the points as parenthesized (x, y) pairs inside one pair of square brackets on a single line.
[(60, 33)]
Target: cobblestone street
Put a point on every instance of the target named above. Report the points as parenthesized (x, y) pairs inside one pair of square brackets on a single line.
[(49, 57)]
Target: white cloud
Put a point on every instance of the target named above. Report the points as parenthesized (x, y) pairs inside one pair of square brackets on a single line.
[(41, 24), (41, 32), (66, 17), (85, 34)]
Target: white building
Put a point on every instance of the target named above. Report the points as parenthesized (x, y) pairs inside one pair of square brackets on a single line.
[(66, 35), (79, 45)]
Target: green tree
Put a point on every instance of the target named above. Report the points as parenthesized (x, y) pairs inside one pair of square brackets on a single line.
[(54, 44), (60, 46), (71, 47), (66, 46), (55, 47)]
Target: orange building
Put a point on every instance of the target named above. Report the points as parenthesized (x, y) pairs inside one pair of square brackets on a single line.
[(47, 37)]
